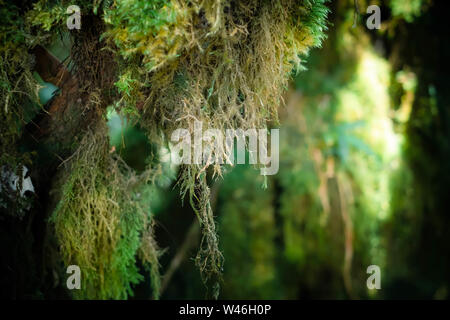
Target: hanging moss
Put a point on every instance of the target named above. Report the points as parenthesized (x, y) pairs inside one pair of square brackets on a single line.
[(162, 64), (224, 63), (102, 224)]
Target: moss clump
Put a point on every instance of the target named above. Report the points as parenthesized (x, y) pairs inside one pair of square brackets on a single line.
[(225, 63), (209, 259), (19, 97), (102, 224)]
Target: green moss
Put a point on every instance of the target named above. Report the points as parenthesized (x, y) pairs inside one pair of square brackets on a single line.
[(102, 224)]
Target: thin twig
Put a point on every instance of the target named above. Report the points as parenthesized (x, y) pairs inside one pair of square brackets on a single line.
[(356, 14), (191, 238)]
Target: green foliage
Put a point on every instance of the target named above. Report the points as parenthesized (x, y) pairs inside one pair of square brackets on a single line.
[(408, 9), (313, 16), (48, 14), (146, 27)]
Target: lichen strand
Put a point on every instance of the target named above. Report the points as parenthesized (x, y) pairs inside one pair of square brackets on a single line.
[(101, 223), (209, 259)]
